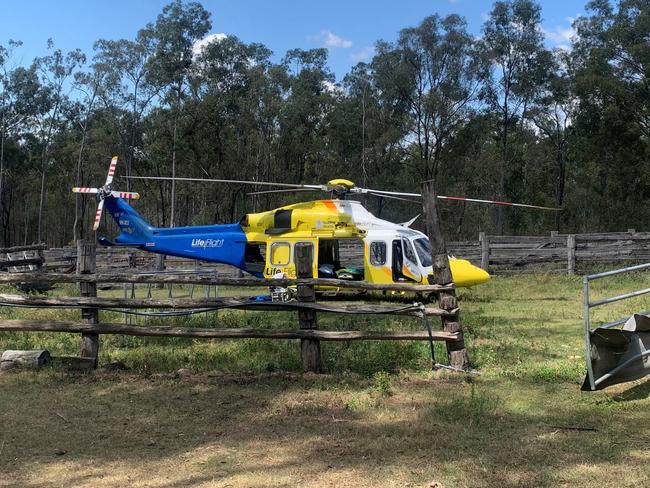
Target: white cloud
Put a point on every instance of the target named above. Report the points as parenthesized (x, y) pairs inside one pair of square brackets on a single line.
[(201, 44), (561, 35), (364, 55), (330, 39)]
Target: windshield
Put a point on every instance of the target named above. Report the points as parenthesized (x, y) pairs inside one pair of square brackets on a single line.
[(423, 248)]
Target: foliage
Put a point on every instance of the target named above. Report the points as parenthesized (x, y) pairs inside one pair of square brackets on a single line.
[(497, 115)]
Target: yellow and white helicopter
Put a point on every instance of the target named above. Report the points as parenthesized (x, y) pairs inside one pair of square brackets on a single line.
[(263, 244)]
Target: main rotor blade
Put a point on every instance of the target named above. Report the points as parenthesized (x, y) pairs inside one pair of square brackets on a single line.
[(111, 171), (77, 189), (392, 197), (464, 199), (125, 194), (98, 214), (239, 182), (281, 191), (497, 202)]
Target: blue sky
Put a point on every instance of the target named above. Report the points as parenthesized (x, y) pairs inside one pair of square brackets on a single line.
[(348, 28)]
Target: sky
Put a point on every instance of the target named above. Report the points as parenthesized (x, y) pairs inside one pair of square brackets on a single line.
[(348, 28)]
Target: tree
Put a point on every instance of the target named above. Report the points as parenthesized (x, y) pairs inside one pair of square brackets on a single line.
[(126, 64), (611, 65), (513, 44), (552, 114), (436, 73), (177, 29), (55, 70)]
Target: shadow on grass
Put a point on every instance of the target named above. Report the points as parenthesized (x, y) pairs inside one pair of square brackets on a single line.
[(254, 430), (640, 391)]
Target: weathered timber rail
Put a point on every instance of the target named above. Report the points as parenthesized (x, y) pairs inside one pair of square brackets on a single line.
[(91, 327), (244, 333), (216, 303), (206, 279), (22, 258), (562, 253)]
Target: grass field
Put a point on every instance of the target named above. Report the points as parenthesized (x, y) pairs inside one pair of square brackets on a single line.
[(239, 413)]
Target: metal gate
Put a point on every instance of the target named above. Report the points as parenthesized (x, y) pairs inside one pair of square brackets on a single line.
[(615, 355)]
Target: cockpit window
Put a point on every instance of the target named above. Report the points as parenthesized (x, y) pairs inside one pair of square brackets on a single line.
[(408, 250), (423, 249)]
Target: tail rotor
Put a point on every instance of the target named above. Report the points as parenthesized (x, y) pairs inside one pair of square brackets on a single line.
[(106, 191)]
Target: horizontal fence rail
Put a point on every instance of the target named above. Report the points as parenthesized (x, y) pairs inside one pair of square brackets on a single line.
[(145, 331), (299, 296), (562, 253), (206, 279), (218, 303)]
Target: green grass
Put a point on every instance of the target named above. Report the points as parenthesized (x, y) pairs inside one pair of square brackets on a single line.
[(519, 327), (245, 416)]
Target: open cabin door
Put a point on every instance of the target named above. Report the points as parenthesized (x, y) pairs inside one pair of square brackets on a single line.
[(404, 263)]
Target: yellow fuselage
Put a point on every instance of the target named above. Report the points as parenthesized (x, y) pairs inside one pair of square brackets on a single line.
[(391, 252)]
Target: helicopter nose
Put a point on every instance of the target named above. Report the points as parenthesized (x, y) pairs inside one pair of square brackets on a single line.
[(465, 274)]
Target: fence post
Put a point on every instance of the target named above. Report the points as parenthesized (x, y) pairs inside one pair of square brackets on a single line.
[(309, 348), (457, 356), (484, 240), (87, 264), (571, 253)]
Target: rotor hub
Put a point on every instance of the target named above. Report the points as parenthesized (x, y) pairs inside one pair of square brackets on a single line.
[(340, 187)]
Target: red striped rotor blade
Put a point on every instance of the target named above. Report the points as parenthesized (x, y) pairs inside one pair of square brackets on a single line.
[(111, 170), (98, 215), (125, 194), (84, 190)]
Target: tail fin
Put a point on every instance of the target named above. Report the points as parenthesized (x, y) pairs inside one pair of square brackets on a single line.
[(135, 230)]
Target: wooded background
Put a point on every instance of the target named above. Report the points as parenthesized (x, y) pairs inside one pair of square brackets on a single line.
[(497, 115)]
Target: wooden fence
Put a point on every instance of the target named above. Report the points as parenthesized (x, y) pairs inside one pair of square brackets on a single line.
[(90, 327), (22, 258), (563, 253)]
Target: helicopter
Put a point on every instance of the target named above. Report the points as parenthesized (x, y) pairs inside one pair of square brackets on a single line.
[(262, 244)]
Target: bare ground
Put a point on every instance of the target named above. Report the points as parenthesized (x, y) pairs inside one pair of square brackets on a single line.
[(217, 430)]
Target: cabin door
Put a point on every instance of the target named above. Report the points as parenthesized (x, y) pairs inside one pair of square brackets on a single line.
[(404, 264)]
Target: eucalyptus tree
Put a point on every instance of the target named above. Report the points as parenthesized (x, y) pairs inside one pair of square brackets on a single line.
[(5, 102), (242, 97), (611, 62), (513, 43), (88, 87), (127, 85), (55, 71), (309, 101), (175, 33), (434, 72), (553, 113)]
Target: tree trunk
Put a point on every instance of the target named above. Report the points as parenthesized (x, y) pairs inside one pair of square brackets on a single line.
[(77, 199), (2, 163), (456, 353), (40, 205)]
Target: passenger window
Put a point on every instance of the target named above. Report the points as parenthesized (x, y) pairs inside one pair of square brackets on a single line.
[(408, 251), (280, 252), (377, 253)]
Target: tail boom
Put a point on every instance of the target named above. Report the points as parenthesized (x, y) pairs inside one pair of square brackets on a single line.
[(215, 243)]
